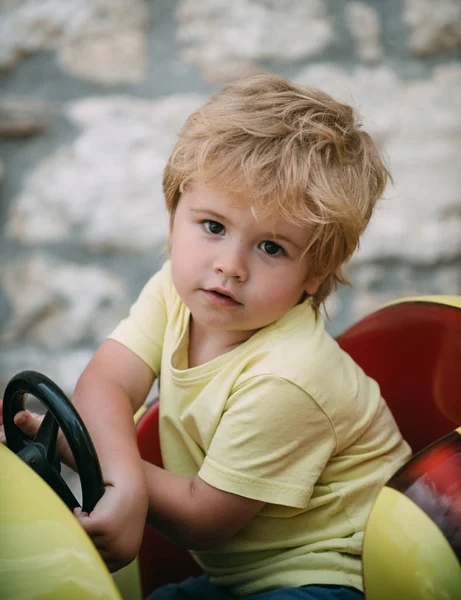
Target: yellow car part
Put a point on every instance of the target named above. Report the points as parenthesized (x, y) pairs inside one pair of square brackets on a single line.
[(44, 552), (405, 555)]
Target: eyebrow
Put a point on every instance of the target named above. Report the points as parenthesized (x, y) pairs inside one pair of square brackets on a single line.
[(270, 235), (282, 238), (209, 212)]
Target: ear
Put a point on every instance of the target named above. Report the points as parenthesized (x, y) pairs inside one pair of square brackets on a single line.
[(312, 285)]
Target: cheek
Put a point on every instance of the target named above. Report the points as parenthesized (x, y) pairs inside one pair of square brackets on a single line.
[(280, 290), (186, 254), (179, 240), (179, 258)]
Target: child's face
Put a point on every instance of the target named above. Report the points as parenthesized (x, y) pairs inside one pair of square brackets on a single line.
[(234, 272)]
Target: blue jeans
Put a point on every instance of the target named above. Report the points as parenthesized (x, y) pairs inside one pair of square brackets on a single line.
[(200, 588)]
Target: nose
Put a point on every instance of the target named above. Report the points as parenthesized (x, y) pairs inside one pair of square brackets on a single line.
[(231, 262)]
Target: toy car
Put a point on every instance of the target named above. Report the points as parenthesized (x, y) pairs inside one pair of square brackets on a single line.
[(412, 547)]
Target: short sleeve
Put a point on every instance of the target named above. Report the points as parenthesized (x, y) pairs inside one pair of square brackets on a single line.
[(272, 443), (143, 331)]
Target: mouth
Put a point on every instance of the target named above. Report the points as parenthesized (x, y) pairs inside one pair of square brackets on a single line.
[(222, 296)]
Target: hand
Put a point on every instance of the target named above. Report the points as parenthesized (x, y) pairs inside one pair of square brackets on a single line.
[(116, 524), (29, 423)]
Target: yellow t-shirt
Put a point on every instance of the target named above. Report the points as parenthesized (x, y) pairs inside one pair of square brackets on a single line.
[(287, 418)]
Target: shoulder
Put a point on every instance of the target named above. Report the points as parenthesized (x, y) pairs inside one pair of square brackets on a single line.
[(299, 351), (297, 348)]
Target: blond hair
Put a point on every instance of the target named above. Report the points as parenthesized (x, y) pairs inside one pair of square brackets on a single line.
[(288, 151)]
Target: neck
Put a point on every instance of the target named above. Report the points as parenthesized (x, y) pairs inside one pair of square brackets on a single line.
[(207, 343)]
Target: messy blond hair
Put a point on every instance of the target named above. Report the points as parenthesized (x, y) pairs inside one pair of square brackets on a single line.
[(287, 151)]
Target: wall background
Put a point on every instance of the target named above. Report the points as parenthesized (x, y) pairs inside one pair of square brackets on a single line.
[(92, 93)]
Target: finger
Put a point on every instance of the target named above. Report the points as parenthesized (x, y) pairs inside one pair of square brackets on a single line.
[(93, 527), (28, 422)]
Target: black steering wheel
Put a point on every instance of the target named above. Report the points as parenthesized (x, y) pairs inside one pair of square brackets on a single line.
[(40, 452)]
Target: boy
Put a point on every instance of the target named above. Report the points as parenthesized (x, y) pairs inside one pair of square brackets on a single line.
[(275, 443)]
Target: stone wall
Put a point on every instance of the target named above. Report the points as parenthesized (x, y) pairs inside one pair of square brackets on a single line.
[(92, 93)]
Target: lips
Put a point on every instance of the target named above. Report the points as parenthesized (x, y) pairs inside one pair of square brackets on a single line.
[(221, 296), (222, 292)]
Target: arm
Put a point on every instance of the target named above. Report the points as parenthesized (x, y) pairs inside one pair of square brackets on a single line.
[(266, 449), (188, 511), (113, 386), (249, 463), (192, 513)]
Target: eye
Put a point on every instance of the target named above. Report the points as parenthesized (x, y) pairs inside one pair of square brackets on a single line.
[(271, 248), (214, 227)]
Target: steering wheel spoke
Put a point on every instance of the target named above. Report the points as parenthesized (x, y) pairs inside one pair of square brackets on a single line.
[(47, 436), (55, 480)]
